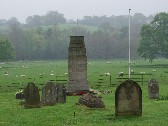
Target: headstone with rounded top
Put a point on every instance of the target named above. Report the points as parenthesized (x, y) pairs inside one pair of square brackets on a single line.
[(128, 99)]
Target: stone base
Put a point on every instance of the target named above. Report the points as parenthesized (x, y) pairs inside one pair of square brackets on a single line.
[(91, 101), (27, 106), (77, 92)]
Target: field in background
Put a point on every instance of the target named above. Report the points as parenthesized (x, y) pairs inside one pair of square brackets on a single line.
[(61, 27), (87, 27), (15, 76)]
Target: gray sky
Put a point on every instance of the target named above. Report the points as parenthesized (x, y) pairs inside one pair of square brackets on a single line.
[(76, 9)]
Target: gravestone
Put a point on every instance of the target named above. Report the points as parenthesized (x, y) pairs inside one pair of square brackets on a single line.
[(61, 93), (77, 65), (49, 94), (52, 94), (91, 101), (153, 89), (32, 96), (128, 99)]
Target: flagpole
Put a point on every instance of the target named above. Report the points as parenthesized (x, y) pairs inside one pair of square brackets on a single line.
[(129, 69), (77, 23)]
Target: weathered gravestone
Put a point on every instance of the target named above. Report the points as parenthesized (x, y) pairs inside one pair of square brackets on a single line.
[(32, 96), (153, 89), (91, 101), (77, 65), (61, 93), (128, 99), (49, 94), (52, 94)]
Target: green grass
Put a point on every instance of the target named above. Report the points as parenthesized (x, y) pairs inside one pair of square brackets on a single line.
[(12, 113)]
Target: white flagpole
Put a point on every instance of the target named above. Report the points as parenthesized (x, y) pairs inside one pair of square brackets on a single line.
[(77, 23), (129, 69)]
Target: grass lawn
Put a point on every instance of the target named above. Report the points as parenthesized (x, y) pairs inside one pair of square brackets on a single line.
[(12, 113)]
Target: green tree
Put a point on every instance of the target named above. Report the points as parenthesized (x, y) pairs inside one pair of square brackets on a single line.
[(15, 35), (12, 20), (34, 21), (39, 44), (6, 50), (154, 38), (53, 18)]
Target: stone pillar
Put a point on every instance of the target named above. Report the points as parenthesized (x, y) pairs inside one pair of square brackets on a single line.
[(77, 65), (153, 89)]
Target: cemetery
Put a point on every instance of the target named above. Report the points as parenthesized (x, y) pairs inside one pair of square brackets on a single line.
[(81, 92), (84, 63)]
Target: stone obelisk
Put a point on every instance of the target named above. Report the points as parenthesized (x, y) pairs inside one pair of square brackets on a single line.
[(77, 65)]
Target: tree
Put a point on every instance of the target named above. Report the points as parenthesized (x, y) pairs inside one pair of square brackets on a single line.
[(154, 38), (15, 36), (6, 50), (34, 21), (139, 18), (12, 20), (39, 44), (54, 18), (2, 21)]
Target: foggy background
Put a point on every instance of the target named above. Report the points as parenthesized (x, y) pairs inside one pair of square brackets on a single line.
[(76, 9), (40, 29)]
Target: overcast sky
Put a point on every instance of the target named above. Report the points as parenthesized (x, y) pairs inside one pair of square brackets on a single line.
[(76, 9)]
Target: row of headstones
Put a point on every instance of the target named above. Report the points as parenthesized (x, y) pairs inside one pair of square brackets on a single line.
[(128, 97), (51, 94)]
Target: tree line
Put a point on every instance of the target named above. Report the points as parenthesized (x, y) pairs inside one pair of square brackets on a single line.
[(42, 38)]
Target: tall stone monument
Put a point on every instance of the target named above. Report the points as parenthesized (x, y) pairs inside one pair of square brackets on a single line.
[(77, 65)]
